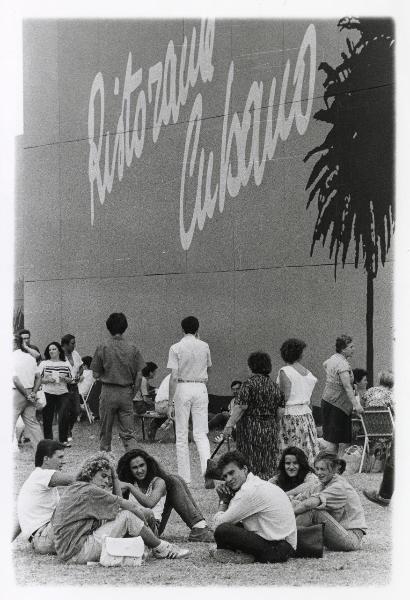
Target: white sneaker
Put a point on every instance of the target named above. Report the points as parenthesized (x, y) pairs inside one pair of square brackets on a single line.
[(170, 551)]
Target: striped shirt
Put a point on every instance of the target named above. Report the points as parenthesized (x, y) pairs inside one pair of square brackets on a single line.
[(57, 369)]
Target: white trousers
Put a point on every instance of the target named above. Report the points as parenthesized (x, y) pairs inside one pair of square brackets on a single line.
[(191, 398)]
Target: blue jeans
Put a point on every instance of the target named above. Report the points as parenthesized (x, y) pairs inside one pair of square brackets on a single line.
[(180, 499)]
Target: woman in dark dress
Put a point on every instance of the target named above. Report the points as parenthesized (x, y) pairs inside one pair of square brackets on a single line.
[(255, 414)]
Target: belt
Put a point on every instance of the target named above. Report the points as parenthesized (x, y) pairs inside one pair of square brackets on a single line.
[(192, 380)]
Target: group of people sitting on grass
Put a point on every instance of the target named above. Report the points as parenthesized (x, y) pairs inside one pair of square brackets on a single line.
[(256, 520)]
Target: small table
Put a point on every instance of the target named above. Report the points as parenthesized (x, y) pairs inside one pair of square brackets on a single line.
[(150, 415)]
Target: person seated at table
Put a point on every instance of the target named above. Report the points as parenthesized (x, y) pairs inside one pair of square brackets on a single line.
[(335, 503), (90, 510), (86, 380), (145, 398), (294, 473), (145, 482), (381, 395)]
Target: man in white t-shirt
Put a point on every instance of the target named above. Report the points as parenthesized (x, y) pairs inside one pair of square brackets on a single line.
[(26, 382), (189, 361), (39, 497), (255, 519)]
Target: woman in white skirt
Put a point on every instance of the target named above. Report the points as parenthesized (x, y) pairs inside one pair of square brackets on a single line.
[(296, 424)]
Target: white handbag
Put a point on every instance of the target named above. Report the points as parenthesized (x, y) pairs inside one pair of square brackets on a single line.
[(122, 552)]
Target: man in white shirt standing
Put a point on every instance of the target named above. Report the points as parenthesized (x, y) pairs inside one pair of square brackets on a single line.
[(39, 497), (255, 519), (26, 382), (189, 361)]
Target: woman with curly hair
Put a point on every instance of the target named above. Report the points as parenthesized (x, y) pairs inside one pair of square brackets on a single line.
[(296, 425), (294, 475), (255, 413), (145, 482), (93, 508)]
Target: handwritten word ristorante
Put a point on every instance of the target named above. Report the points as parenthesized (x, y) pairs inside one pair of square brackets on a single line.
[(235, 135), (167, 89)]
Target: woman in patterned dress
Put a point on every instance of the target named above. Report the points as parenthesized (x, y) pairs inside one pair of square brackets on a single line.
[(296, 425), (255, 414)]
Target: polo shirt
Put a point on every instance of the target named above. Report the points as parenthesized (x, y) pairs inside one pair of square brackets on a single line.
[(262, 508), (191, 357)]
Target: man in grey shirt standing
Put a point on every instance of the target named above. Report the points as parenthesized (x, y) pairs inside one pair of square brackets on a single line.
[(189, 361), (118, 365)]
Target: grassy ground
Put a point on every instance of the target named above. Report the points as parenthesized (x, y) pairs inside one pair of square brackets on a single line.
[(370, 566)]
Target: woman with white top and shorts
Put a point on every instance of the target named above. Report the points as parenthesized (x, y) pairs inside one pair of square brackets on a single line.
[(296, 424)]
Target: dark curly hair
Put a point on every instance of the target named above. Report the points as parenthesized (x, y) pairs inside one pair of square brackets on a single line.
[(283, 480), (61, 354), (291, 350), (153, 468), (260, 363), (342, 341)]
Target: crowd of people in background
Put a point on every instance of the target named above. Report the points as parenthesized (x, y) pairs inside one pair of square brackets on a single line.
[(281, 479)]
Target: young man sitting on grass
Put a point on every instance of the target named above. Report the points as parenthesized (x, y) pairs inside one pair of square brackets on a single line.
[(39, 497), (255, 520)]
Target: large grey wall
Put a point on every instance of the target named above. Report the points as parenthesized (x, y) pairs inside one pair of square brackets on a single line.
[(248, 274)]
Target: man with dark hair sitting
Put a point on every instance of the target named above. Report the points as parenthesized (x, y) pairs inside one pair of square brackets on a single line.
[(255, 520), (39, 497)]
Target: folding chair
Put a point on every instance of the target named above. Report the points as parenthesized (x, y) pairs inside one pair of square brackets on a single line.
[(377, 422), (91, 401)]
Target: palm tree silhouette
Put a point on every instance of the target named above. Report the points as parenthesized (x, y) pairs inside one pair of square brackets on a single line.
[(353, 177)]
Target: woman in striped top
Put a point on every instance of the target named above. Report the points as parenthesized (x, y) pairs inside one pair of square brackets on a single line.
[(55, 374)]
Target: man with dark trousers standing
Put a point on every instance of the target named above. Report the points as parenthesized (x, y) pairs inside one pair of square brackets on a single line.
[(118, 365)]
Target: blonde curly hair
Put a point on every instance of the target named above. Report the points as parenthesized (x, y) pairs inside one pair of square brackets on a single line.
[(93, 464)]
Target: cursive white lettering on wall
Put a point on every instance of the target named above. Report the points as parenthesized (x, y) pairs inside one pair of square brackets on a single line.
[(169, 94), (235, 135), (167, 90)]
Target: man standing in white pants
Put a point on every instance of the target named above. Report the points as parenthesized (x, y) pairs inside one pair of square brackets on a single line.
[(189, 361)]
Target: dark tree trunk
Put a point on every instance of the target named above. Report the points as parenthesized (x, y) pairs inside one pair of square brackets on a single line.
[(369, 327)]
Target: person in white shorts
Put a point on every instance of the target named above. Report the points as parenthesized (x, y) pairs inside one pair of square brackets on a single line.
[(189, 361), (38, 497)]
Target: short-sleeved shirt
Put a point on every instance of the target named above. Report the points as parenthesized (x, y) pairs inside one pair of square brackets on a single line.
[(341, 501), (191, 357), (36, 501), (82, 509), (334, 392), (117, 362), (53, 367), (24, 367)]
